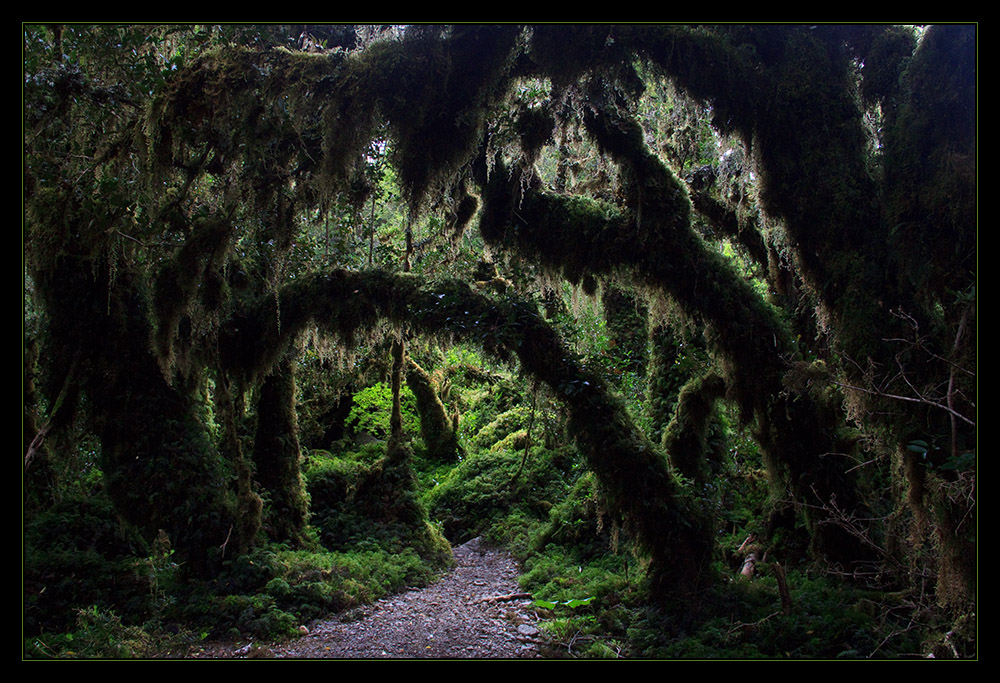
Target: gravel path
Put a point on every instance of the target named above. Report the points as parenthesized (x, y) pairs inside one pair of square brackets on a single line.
[(473, 612)]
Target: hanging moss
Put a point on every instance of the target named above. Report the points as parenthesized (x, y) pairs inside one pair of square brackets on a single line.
[(535, 128), (192, 272), (466, 210), (433, 88)]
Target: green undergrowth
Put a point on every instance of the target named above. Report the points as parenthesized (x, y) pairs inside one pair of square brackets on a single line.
[(77, 555), (272, 591), (590, 587), (600, 608), (363, 497), (745, 619), (502, 495), (268, 593), (95, 589)]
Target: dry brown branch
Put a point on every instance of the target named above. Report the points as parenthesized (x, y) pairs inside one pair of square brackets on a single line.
[(740, 625), (36, 443), (507, 598), (226, 542), (786, 595)]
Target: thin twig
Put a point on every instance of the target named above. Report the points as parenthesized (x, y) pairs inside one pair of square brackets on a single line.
[(909, 399), (527, 436)]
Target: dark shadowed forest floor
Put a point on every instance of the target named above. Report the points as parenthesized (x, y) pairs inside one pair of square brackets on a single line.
[(473, 612)]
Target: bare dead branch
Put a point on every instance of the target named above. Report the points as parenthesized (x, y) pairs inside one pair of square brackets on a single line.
[(909, 399)]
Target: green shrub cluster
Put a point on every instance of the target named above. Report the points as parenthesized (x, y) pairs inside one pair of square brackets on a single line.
[(489, 493)]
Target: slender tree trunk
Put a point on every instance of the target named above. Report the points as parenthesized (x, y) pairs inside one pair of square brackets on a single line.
[(395, 448)]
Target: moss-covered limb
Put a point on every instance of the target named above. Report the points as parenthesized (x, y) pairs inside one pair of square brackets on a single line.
[(237, 103), (655, 242), (752, 343), (441, 130), (436, 427), (276, 456), (284, 115), (685, 437), (789, 91), (906, 235), (633, 472), (579, 236)]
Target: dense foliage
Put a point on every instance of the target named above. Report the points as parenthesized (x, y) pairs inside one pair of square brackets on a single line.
[(685, 316)]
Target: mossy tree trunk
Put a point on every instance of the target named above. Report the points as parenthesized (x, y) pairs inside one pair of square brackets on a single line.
[(229, 405), (396, 446), (396, 449), (664, 378), (438, 429), (160, 466), (39, 477), (277, 457), (686, 437)]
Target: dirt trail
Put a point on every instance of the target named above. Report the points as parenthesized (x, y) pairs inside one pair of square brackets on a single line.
[(468, 614)]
